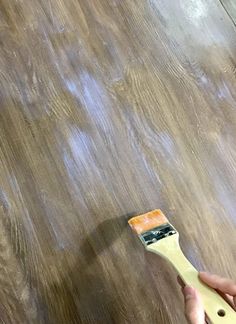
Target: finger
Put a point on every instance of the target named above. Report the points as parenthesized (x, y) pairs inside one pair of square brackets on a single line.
[(229, 299), (194, 310), (224, 285), (234, 300)]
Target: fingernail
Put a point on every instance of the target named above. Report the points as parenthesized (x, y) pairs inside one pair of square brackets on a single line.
[(189, 292), (204, 273)]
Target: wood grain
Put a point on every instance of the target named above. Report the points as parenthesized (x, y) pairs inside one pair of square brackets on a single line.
[(110, 109)]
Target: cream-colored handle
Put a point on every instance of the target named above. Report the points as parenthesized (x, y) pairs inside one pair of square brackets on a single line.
[(216, 308)]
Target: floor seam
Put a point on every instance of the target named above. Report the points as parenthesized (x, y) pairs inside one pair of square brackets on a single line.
[(226, 10)]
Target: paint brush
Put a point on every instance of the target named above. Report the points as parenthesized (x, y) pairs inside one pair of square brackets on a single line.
[(160, 237)]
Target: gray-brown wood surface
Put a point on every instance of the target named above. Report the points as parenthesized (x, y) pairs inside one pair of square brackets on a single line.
[(108, 109)]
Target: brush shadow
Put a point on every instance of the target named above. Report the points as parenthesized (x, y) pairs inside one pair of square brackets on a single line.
[(86, 294), (105, 234)]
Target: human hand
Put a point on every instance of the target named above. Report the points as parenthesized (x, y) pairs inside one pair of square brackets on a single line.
[(194, 310)]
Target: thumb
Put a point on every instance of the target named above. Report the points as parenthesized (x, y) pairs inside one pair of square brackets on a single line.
[(194, 310)]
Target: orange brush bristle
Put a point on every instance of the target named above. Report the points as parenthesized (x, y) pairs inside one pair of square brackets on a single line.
[(145, 222)]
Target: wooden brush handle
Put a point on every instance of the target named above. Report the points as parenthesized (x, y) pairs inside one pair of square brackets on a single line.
[(215, 306)]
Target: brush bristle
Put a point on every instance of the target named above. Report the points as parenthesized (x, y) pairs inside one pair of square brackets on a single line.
[(145, 222)]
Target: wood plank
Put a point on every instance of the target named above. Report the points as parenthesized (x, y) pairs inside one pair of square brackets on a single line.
[(110, 109), (230, 8)]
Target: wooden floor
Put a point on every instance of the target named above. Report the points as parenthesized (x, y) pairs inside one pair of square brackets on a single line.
[(111, 108)]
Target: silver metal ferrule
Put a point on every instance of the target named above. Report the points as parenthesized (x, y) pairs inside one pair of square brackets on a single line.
[(157, 234)]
